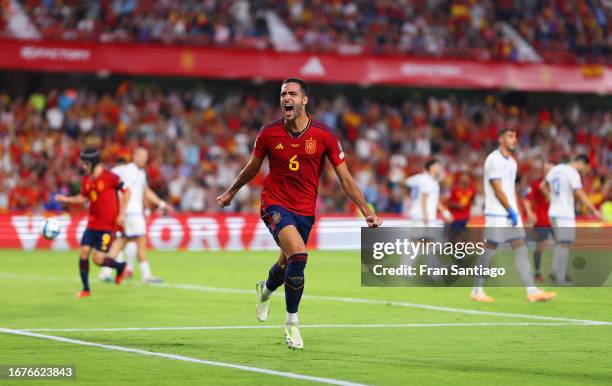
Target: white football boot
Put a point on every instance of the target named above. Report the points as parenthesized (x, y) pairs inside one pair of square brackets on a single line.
[(293, 337), (262, 309)]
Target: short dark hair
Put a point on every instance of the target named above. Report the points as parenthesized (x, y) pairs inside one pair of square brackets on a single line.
[(504, 131), (582, 157), (91, 155), (430, 163), (301, 82)]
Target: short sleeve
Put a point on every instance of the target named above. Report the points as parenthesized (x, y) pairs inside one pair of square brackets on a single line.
[(575, 181), (494, 169), (334, 151), (115, 181), (260, 150)]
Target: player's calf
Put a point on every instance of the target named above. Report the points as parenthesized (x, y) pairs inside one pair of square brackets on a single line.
[(294, 281)]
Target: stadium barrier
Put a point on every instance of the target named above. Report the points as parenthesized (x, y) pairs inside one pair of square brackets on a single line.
[(198, 232), (222, 63), (187, 231)]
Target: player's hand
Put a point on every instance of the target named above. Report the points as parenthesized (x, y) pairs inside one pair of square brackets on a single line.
[(60, 198), (373, 221), (448, 216), (531, 217), (513, 216), (165, 208), (121, 219), (225, 199)]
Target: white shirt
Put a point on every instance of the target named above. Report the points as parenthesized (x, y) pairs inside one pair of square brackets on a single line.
[(499, 167), (562, 180), (134, 179), (419, 184)]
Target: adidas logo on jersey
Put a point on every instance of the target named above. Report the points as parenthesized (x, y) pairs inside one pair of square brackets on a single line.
[(279, 146)]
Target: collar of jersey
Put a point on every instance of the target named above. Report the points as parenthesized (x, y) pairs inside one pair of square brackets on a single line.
[(298, 135), (502, 154)]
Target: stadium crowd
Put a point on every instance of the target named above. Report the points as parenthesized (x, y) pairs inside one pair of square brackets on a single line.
[(559, 30), (198, 143)]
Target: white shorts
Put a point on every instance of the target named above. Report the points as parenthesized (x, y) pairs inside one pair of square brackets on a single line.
[(434, 230), (564, 229), (135, 225), (499, 229)]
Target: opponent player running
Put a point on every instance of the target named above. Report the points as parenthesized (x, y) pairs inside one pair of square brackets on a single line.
[(502, 220), (296, 147), (100, 186), (561, 185), (135, 228), (536, 206)]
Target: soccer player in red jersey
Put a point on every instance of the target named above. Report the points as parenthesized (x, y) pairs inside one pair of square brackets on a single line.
[(459, 204), (536, 206), (106, 211), (296, 147)]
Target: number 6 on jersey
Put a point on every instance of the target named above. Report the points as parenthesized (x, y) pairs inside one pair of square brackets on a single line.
[(294, 165)]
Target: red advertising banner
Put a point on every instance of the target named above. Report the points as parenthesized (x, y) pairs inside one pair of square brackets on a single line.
[(185, 231), (141, 59), (201, 232)]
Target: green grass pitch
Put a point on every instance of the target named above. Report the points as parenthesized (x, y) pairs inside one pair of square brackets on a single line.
[(403, 344)]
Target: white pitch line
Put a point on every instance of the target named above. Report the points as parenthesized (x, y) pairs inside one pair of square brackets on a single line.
[(322, 326), (183, 358), (196, 287)]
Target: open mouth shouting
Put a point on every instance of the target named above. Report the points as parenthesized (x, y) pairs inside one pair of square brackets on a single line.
[(289, 111)]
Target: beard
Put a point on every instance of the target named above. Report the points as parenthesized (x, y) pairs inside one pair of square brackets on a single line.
[(297, 111)]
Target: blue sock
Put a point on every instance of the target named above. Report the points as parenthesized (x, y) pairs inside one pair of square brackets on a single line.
[(84, 269), (294, 281), (276, 277)]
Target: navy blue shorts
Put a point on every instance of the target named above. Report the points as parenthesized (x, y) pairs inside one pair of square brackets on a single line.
[(98, 240), (458, 225), (541, 233), (276, 218)]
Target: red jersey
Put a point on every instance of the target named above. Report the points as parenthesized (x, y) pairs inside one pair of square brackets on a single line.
[(463, 197), (103, 198), (296, 164), (539, 203)]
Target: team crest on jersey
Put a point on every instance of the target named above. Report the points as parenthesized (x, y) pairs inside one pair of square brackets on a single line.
[(311, 146), (276, 217), (100, 186)]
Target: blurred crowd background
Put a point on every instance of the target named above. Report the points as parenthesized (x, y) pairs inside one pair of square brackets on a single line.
[(199, 140), (200, 137), (509, 30)]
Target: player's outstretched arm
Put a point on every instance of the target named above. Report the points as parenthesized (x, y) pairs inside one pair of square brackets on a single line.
[(246, 174), (581, 195), (352, 190), (152, 197), (76, 199)]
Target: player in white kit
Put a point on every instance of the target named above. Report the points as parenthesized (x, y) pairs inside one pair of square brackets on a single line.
[(561, 185), (503, 222), (135, 227), (425, 204)]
